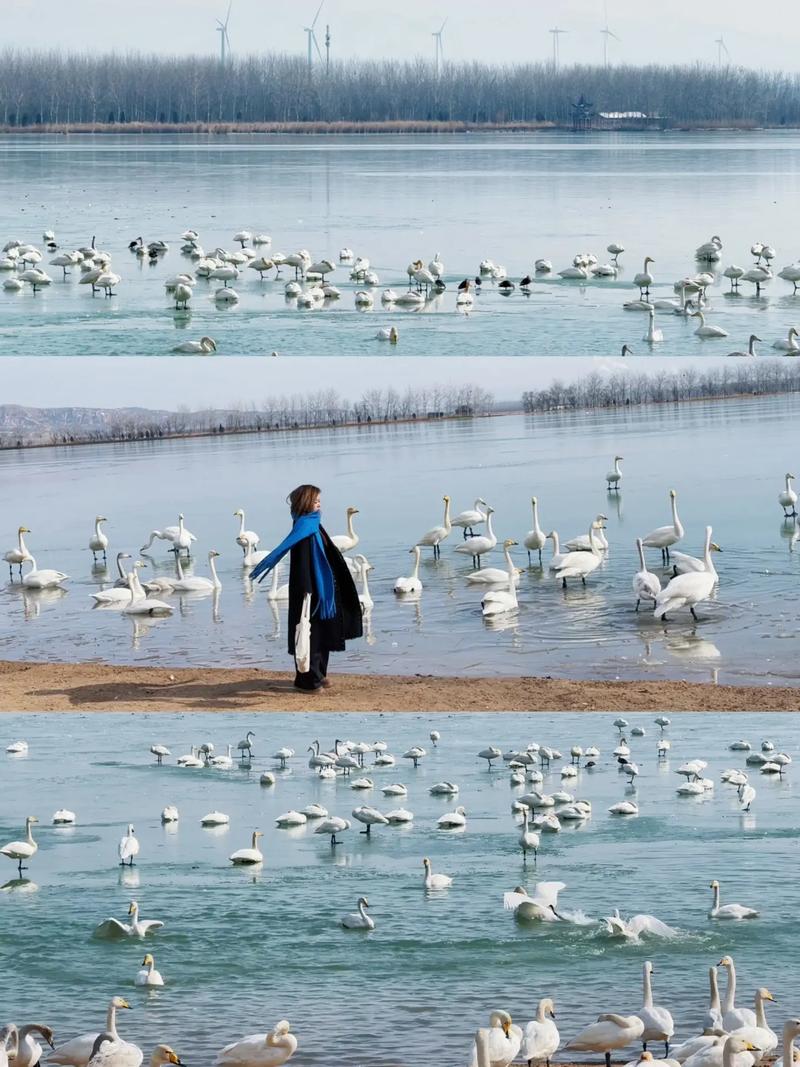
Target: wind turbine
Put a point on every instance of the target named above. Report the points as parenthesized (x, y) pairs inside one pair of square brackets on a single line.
[(224, 39), (438, 49), (312, 39), (721, 47), (556, 32), (606, 32)]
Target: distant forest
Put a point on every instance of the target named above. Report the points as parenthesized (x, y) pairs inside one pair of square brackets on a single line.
[(761, 376), (55, 89)]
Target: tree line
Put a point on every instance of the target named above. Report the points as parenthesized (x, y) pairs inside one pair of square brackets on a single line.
[(26, 427), (622, 389), (50, 88)]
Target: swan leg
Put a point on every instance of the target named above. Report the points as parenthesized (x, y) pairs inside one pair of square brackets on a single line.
[(584, 581), (369, 827), (529, 557), (608, 1059), (691, 608), (637, 605), (666, 1047), (563, 583)]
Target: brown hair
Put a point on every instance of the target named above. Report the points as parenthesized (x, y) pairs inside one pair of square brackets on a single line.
[(301, 500)]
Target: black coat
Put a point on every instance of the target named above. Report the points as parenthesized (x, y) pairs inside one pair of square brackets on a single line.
[(326, 634)]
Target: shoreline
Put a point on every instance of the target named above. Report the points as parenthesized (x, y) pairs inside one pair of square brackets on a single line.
[(27, 686)]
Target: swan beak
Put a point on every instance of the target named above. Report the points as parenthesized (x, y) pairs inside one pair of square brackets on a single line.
[(751, 1048), (506, 1027), (125, 1004), (714, 547), (173, 1057)]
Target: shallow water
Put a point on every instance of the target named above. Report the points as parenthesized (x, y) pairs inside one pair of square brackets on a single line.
[(725, 459), (512, 198), (243, 948)]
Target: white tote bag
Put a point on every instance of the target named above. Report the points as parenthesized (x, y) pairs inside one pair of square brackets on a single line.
[(302, 637)]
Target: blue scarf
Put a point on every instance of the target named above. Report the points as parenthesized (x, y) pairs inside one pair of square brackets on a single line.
[(305, 526)]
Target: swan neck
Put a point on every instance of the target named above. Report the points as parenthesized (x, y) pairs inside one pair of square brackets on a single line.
[(447, 515), (29, 828), (713, 1003), (788, 1047), (489, 529), (212, 564), (648, 989), (730, 995), (540, 1016), (556, 544), (707, 558), (640, 550), (415, 574), (22, 547), (111, 1019), (761, 1016)]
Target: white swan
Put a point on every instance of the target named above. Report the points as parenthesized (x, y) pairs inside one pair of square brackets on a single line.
[(502, 601), (128, 847), (196, 583), (624, 807), (275, 591), (453, 820), (683, 563), (762, 1036), (180, 537), (788, 497), (499, 1046), (252, 855), (15, 557), (733, 1017), (333, 825), (578, 564), (135, 928), (688, 589), (434, 537), (470, 518), (540, 905), (260, 1050), (654, 334), (22, 850), (139, 604), (78, 1051), (98, 542), (664, 537), (730, 1051), (540, 1038), (44, 578), (535, 539), (365, 597), (201, 347), (369, 817), (247, 540), (658, 1022), (412, 584), (148, 975), (359, 920), (644, 279), (729, 911), (581, 543), (388, 333), (791, 1029), (557, 555), (609, 1032), (480, 544), (435, 881), (528, 839), (346, 542), (707, 329), (614, 477), (215, 818), (646, 585), (751, 350)]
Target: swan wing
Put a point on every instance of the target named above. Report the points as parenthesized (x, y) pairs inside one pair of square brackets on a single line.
[(546, 893), (74, 1053), (117, 1054), (112, 928), (649, 924), (511, 901), (146, 925)]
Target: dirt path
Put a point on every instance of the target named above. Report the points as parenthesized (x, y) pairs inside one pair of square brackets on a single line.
[(99, 687)]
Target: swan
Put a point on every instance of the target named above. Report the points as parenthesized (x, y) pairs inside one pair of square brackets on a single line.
[(616, 249), (252, 855), (42, 579), (434, 537), (398, 816), (733, 1017), (658, 1023), (275, 591), (502, 601), (614, 477), (395, 789), (686, 564), (535, 539), (332, 826), (135, 928), (582, 543), (443, 789), (22, 850), (498, 1046), (609, 1032), (215, 818), (10, 1033), (388, 333), (791, 274), (789, 344), (128, 847), (540, 905), (557, 555), (528, 839), (64, 817), (78, 1051), (369, 817), (259, 1050), (247, 540), (646, 585), (365, 597), (481, 543), (98, 542), (198, 583), (688, 589), (706, 329), (222, 762), (791, 1029), (788, 497), (347, 542), (148, 975), (180, 537), (709, 251), (139, 604), (746, 795), (490, 575), (665, 536), (654, 334), (762, 1036), (467, 520), (110, 1052), (170, 814), (730, 1051), (541, 1038), (29, 1051), (729, 911), (750, 347), (453, 820), (644, 279), (15, 557), (578, 564), (624, 807), (435, 881), (245, 746), (757, 275), (411, 584), (359, 920)]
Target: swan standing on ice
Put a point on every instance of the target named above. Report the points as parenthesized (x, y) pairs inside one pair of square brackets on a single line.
[(540, 1038), (160, 751), (148, 975), (658, 1023), (646, 585), (435, 881), (470, 518), (614, 477), (128, 847), (98, 542), (664, 537), (644, 279), (15, 557), (688, 589), (259, 1050), (729, 911), (787, 498), (359, 920), (746, 795), (22, 850), (78, 1051), (245, 746), (434, 537)]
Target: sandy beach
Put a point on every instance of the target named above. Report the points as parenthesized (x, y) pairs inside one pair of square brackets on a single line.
[(100, 687)]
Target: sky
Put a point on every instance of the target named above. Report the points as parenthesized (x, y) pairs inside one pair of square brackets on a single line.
[(198, 382), (516, 30)]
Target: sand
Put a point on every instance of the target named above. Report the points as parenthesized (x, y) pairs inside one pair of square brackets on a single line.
[(100, 687)]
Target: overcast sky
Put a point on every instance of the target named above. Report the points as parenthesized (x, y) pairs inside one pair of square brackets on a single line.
[(512, 31), (168, 383)]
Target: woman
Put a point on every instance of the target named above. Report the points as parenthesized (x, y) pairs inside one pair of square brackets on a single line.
[(316, 567)]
